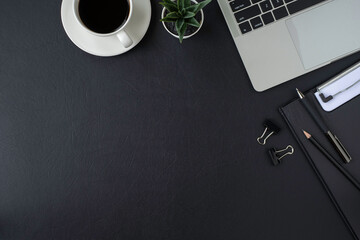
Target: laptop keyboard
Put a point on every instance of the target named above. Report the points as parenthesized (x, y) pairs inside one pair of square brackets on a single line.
[(254, 14)]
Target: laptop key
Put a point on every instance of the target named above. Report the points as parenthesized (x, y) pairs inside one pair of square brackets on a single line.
[(265, 6), (247, 13), (277, 3), (245, 27), (267, 18), (255, 1), (280, 13), (239, 4), (256, 23), (297, 6), (287, 1)]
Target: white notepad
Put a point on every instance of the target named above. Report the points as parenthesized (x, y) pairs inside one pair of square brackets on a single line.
[(339, 89)]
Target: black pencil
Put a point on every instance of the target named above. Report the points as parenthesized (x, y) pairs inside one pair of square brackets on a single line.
[(332, 160), (324, 128)]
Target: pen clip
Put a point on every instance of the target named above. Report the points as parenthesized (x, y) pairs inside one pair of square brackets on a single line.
[(339, 147), (343, 148)]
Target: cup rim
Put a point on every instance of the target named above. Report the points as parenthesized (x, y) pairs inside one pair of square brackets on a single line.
[(77, 16)]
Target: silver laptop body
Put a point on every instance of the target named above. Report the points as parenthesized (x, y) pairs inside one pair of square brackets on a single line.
[(274, 52)]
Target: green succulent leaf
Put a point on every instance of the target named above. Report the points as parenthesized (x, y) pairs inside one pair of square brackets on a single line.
[(170, 2), (180, 4), (165, 19), (170, 7), (201, 5), (182, 13), (179, 24), (173, 15), (191, 8), (193, 22), (189, 15), (182, 32)]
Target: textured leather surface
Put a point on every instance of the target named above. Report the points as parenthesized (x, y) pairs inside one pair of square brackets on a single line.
[(158, 143)]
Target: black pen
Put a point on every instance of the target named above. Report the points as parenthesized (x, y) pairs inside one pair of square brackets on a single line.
[(332, 160), (332, 138)]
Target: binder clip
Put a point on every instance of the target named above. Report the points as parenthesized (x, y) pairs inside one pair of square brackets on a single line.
[(277, 155), (270, 129)]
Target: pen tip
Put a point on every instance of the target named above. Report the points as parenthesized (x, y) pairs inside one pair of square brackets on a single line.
[(301, 95), (307, 135)]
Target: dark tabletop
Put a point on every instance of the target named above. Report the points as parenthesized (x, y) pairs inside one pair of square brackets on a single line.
[(157, 143)]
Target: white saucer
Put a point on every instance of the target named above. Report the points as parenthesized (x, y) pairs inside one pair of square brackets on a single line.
[(106, 46)]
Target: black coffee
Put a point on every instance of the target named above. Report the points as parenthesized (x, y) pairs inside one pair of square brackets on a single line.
[(103, 16)]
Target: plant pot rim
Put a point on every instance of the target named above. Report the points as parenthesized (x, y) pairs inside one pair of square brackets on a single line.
[(188, 36)]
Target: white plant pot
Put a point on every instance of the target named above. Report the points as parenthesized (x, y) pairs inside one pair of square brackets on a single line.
[(188, 36)]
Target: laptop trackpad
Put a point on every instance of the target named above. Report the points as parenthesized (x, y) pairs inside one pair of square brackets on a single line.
[(326, 32)]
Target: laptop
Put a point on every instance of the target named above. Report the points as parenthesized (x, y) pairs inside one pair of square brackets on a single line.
[(279, 40)]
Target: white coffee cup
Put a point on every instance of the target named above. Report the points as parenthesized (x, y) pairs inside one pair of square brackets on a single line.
[(120, 32)]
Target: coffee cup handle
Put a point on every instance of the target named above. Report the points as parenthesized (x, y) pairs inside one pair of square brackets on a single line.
[(124, 39)]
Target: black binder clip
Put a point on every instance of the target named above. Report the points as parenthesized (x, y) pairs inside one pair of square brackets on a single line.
[(277, 155), (270, 129)]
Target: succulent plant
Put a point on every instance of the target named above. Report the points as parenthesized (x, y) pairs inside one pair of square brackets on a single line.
[(182, 13)]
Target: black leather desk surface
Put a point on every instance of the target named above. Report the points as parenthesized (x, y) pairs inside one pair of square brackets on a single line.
[(158, 143)]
